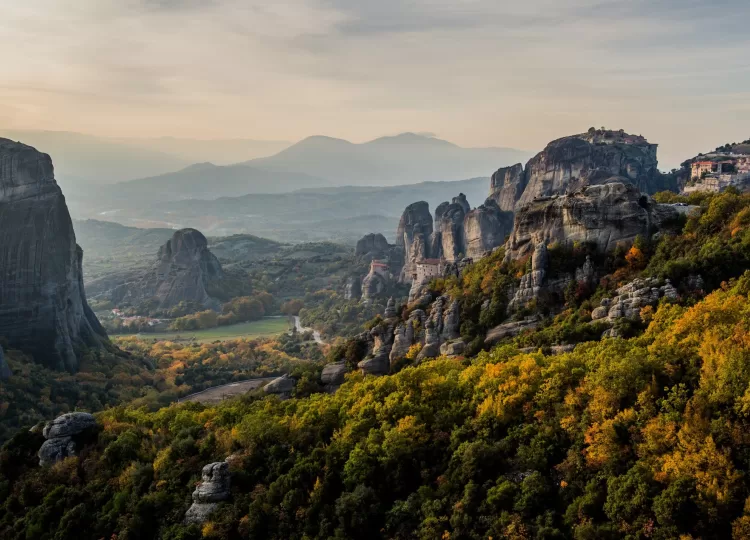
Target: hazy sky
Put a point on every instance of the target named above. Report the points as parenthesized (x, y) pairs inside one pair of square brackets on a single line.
[(476, 72)]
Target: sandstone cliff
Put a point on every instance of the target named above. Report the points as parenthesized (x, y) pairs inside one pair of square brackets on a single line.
[(602, 215), (485, 228), (507, 186), (43, 308)]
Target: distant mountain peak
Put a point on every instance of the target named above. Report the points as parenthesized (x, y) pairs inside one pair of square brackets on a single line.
[(411, 138)]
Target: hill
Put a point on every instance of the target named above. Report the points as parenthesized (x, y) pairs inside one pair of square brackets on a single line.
[(209, 181), (389, 161), (341, 214)]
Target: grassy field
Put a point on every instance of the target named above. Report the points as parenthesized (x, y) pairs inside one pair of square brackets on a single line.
[(269, 326)]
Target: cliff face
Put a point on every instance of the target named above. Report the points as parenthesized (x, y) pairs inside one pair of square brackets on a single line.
[(507, 186), (603, 214), (184, 272), (572, 163), (485, 228), (43, 308)]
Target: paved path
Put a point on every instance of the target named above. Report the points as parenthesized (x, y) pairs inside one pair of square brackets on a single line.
[(302, 330), (216, 394)]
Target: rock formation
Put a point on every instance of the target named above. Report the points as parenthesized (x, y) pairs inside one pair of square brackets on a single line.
[(352, 288), (407, 334), (5, 372), (333, 376), (379, 362), (60, 434), (603, 215), (373, 286), (485, 228), (531, 283), (507, 186), (282, 386), (511, 329), (43, 308), (431, 347), (631, 298), (390, 309), (572, 163), (213, 489), (452, 231), (372, 246), (412, 235), (185, 271)]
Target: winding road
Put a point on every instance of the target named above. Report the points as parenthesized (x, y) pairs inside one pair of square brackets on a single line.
[(301, 329)]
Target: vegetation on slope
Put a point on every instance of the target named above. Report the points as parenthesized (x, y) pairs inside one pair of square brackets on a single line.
[(638, 438)]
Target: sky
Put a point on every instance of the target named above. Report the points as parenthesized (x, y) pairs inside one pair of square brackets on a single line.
[(475, 72)]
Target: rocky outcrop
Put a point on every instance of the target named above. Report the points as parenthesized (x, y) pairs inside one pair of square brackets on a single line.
[(406, 335), (602, 215), (431, 347), (43, 308), (412, 235), (451, 231), (506, 187), (531, 283), (374, 285), (571, 163), (372, 246), (451, 322), (485, 228), (332, 376), (61, 433), (5, 372), (184, 272), (453, 348), (379, 362), (213, 489), (633, 297), (510, 329), (352, 288), (390, 309), (282, 386)]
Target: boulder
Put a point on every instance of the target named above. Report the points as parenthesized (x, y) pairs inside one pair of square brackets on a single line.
[(282, 386), (43, 308), (60, 434), (603, 215), (333, 375), (5, 372), (54, 450), (453, 348), (213, 489), (68, 424)]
